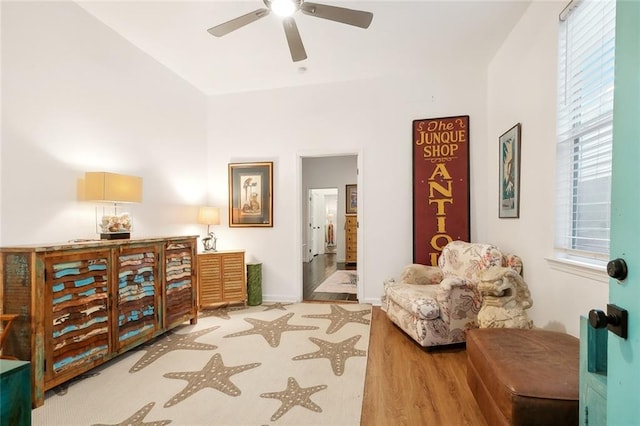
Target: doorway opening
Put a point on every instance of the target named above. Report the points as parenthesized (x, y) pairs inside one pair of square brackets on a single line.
[(325, 274)]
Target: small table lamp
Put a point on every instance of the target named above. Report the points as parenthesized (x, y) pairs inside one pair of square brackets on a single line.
[(112, 188), (209, 216)]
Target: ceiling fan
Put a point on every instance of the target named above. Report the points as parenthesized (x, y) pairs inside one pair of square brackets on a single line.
[(286, 9)]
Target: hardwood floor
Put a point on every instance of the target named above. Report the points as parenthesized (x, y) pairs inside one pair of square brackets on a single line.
[(408, 385), (316, 271)]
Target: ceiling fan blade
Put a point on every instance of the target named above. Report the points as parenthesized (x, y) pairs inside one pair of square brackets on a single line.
[(293, 38), (357, 18), (239, 22)]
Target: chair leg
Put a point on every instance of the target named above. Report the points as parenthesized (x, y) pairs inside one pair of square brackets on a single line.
[(5, 321)]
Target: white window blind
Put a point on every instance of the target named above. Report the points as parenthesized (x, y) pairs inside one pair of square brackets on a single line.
[(584, 128)]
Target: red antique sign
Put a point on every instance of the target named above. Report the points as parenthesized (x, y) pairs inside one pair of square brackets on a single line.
[(440, 185)]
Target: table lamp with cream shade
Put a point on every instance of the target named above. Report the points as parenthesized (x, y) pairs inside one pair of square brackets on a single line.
[(209, 216), (111, 188)]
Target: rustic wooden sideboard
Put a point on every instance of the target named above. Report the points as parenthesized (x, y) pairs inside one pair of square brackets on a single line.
[(83, 303)]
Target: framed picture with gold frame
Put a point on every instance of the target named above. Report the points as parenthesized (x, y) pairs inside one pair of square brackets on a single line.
[(351, 199), (251, 194)]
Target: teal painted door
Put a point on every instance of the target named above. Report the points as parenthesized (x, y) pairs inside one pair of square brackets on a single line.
[(623, 382)]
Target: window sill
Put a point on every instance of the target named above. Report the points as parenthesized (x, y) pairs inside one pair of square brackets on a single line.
[(596, 272)]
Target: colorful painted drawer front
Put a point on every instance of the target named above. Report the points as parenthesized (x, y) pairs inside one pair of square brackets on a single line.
[(179, 281), (80, 313), (137, 295)]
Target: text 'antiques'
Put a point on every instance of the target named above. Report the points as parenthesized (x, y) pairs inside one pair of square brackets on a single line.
[(440, 185)]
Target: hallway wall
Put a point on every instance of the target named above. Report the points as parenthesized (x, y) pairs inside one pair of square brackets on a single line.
[(329, 172)]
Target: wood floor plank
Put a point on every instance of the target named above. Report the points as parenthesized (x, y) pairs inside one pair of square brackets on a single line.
[(409, 385), (315, 272)]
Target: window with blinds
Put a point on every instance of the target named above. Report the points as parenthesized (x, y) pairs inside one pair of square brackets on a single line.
[(584, 128)]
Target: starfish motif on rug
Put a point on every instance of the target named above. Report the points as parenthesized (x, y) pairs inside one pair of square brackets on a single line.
[(277, 305), (220, 312), (336, 353), (214, 375), (339, 317), (294, 395), (138, 417), (272, 330), (171, 341)]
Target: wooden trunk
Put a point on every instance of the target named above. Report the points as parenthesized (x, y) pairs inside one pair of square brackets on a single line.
[(81, 304)]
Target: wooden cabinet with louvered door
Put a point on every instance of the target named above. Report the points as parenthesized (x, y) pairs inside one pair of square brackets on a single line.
[(351, 237), (222, 278)]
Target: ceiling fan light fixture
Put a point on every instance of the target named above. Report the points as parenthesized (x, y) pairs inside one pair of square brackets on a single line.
[(283, 8), (286, 9)]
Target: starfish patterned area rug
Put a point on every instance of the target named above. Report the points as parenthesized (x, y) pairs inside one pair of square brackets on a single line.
[(341, 281), (272, 364)]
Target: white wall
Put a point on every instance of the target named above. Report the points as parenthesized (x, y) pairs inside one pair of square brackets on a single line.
[(522, 88), (77, 97), (372, 118)]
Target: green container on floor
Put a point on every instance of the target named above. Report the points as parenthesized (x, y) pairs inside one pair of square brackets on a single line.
[(254, 284)]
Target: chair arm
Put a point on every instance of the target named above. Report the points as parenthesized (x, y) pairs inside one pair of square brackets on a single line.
[(421, 274), (449, 283), (460, 301)]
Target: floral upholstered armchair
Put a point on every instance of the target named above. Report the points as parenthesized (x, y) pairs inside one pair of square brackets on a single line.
[(435, 305)]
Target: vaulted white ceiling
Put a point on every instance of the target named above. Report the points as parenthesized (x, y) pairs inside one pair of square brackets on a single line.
[(404, 35)]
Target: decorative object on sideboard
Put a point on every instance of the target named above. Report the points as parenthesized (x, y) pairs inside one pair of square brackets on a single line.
[(111, 188), (209, 216)]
